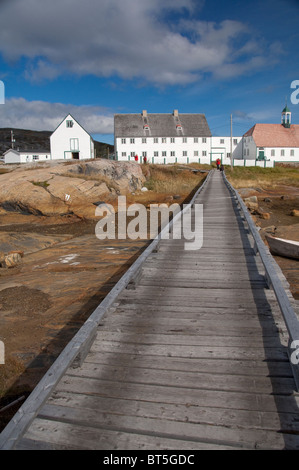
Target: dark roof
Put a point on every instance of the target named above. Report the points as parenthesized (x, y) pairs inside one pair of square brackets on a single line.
[(26, 150), (161, 125), (72, 117)]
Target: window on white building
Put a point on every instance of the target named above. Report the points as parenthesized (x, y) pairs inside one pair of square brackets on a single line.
[(221, 141), (292, 153), (132, 154), (35, 157), (164, 153), (144, 154), (184, 153), (282, 153), (144, 140), (156, 140), (184, 140), (123, 154), (272, 153), (235, 141), (204, 140), (156, 154), (74, 143), (195, 153), (132, 141), (204, 153), (172, 153), (172, 140), (196, 140), (163, 140), (123, 141), (69, 123)]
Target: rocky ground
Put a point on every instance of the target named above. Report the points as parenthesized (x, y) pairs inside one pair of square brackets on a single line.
[(65, 270), (276, 211)]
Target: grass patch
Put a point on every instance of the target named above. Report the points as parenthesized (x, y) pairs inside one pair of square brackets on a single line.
[(42, 184), (171, 179), (242, 177)]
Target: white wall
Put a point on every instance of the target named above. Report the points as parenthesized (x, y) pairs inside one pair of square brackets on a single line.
[(274, 154), (221, 147), (27, 157), (179, 151), (251, 162), (11, 157), (66, 140), (282, 154), (249, 148)]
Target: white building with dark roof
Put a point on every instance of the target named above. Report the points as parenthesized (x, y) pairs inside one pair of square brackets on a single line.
[(169, 138), (25, 156), (70, 141)]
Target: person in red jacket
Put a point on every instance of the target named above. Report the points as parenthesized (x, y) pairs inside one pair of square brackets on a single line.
[(218, 161), (136, 158)]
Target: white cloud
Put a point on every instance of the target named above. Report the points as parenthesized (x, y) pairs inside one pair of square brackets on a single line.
[(42, 116), (127, 38)]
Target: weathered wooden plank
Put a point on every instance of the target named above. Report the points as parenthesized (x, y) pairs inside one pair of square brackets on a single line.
[(175, 336), (195, 311), (201, 327), (190, 431), (218, 366), (202, 352), (199, 380), (90, 438), (180, 395), (178, 412)]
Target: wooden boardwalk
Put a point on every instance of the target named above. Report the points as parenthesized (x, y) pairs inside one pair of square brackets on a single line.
[(192, 357)]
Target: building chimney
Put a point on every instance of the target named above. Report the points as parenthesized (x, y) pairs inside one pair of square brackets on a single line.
[(144, 113), (176, 113)]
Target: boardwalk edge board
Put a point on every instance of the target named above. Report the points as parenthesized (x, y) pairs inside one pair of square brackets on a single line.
[(273, 280), (77, 349)]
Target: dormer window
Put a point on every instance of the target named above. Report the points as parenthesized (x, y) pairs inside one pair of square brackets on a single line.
[(146, 127), (179, 127)]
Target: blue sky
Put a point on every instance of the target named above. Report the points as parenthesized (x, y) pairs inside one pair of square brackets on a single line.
[(101, 57)]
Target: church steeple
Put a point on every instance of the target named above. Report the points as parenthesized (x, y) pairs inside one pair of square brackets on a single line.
[(286, 117)]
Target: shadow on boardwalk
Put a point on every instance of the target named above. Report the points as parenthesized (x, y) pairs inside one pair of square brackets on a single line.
[(268, 320)]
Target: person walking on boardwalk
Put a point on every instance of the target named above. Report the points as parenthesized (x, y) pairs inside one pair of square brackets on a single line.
[(218, 161)]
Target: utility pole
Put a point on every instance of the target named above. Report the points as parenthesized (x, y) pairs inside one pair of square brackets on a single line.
[(231, 141), (12, 140)]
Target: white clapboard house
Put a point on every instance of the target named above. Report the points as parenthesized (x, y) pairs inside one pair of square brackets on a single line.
[(26, 156), (170, 138), (274, 143), (70, 141)]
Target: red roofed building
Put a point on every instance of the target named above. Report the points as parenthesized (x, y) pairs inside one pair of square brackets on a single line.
[(275, 142)]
